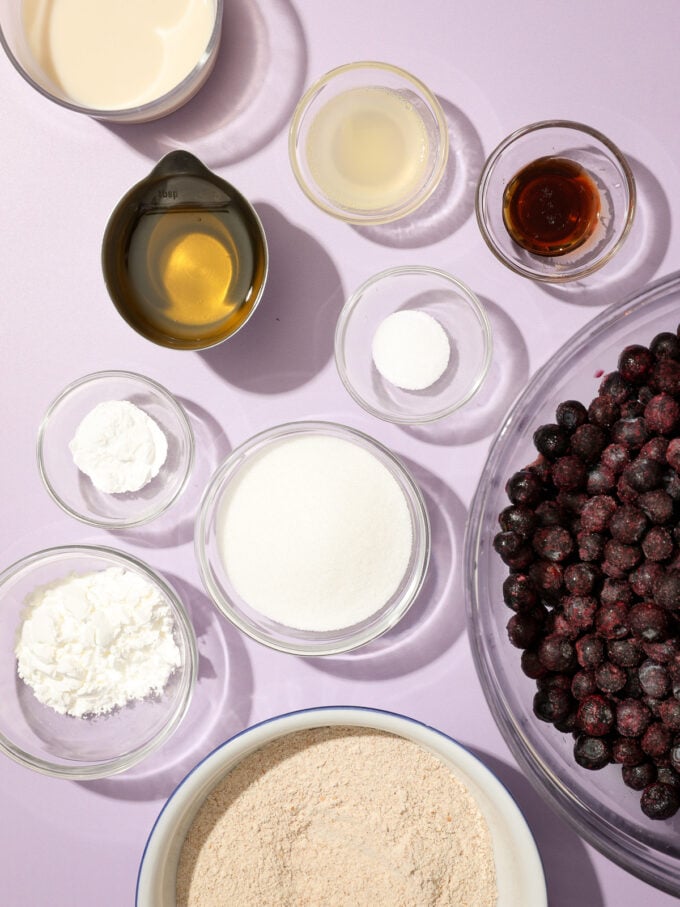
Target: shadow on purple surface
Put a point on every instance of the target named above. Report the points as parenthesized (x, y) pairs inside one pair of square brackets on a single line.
[(437, 617), (569, 873), (249, 97), (289, 337), (508, 374), (452, 202), (640, 256), (221, 706)]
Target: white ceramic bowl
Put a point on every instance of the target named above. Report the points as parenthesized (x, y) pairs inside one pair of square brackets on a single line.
[(519, 873)]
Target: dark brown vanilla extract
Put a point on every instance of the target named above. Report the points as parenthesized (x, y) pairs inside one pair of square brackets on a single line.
[(551, 206)]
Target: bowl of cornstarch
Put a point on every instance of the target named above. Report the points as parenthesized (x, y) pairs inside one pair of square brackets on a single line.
[(345, 806), (98, 661), (115, 449), (312, 538), (412, 345)]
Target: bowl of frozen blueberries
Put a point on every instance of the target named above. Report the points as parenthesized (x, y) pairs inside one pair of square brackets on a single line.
[(573, 582)]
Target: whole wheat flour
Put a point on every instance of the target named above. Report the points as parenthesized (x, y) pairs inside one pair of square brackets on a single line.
[(346, 817)]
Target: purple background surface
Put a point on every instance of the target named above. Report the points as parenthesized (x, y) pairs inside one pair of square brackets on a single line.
[(495, 67)]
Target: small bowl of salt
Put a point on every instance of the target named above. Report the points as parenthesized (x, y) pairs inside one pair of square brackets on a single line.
[(412, 345), (115, 449)]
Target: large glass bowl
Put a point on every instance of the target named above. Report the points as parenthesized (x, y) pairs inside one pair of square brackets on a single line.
[(596, 803), (256, 624), (64, 746), (519, 874)]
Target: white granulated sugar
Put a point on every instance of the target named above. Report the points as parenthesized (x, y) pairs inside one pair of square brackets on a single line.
[(119, 446), (348, 817), (411, 349), (315, 533), (91, 642)]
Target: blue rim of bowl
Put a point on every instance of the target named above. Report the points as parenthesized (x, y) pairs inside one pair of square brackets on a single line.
[(182, 419), (185, 629), (143, 112), (488, 169), (351, 305), (489, 777), (546, 784), (319, 644)]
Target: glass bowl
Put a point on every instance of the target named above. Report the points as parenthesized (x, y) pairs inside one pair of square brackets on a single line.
[(74, 491), (596, 803), (227, 480), (439, 295), (65, 746), (368, 110), (602, 161), (519, 873), (13, 39)]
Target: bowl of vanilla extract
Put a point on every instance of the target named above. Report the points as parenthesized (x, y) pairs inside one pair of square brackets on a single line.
[(555, 201), (184, 256)]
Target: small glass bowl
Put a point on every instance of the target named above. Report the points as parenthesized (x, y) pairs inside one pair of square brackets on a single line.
[(63, 746), (13, 40), (599, 157), (439, 295), (272, 633), (410, 92), (597, 804), (519, 873), (74, 491)]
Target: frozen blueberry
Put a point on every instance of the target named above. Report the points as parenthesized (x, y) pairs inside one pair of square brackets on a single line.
[(570, 414), (666, 590), (659, 801), (524, 487), (662, 414), (665, 346), (635, 363), (632, 717), (638, 777), (595, 716), (553, 543), (591, 752), (551, 440)]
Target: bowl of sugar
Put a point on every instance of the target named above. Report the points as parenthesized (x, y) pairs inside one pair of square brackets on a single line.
[(115, 449), (119, 62), (98, 661), (312, 538), (346, 806), (368, 143), (412, 344)]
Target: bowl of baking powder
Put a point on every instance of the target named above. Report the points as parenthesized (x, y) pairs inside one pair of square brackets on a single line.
[(98, 661), (346, 806), (312, 538), (115, 449)]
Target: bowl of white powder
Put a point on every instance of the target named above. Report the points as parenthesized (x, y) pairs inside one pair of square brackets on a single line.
[(98, 661), (312, 538), (115, 449), (412, 345), (346, 806)]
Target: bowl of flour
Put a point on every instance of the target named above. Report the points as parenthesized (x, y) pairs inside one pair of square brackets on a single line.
[(115, 449), (98, 661), (346, 806), (413, 345), (312, 538)]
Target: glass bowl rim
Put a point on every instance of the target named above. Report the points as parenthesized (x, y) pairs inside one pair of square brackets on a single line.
[(177, 410), (414, 500), (348, 309), (433, 740), (550, 788), (105, 768), (141, 112), (488, 170), (358, 216)]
